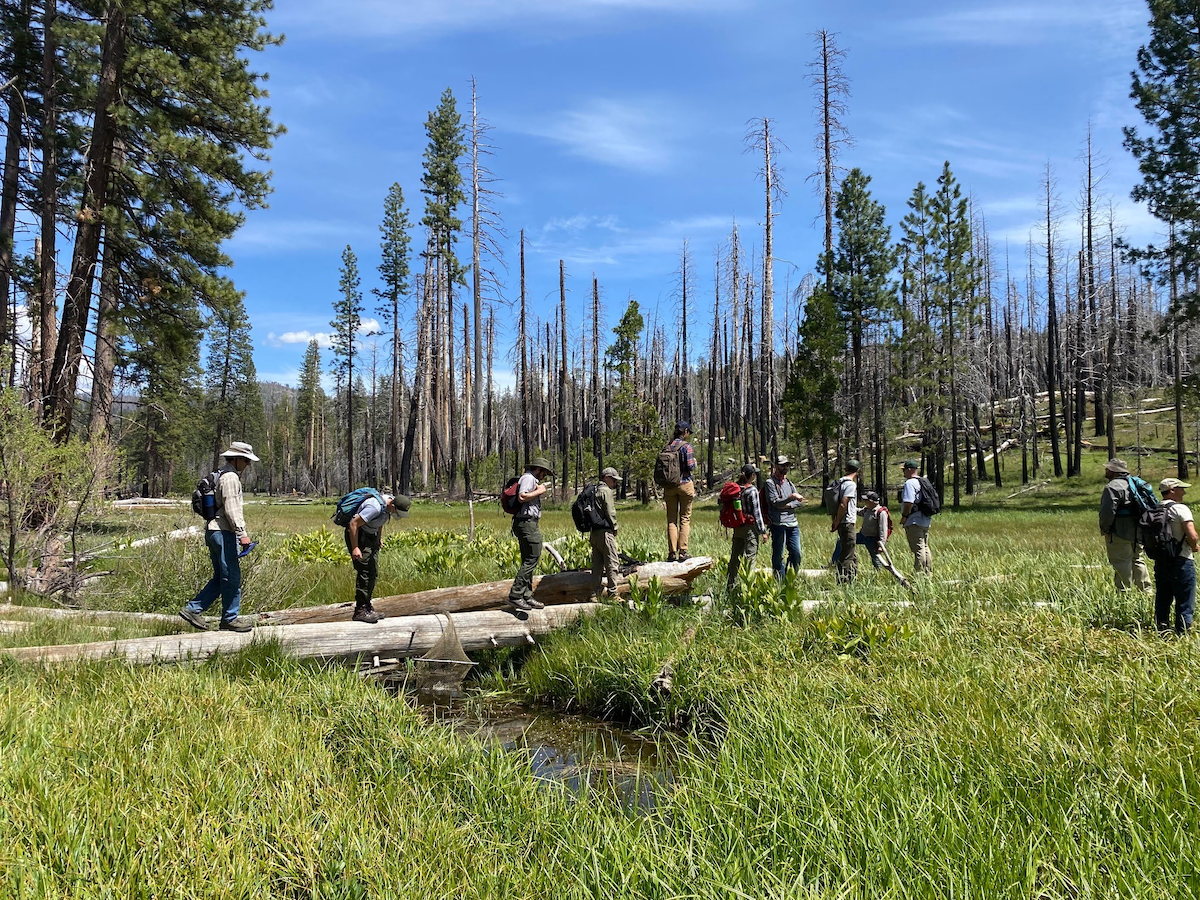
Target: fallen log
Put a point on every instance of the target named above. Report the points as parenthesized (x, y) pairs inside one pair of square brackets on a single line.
[(564, 587), (405, 636), (43, 612)]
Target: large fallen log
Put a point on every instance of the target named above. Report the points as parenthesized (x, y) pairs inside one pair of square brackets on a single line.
[(45, 612), (407, 636), (564, 587)]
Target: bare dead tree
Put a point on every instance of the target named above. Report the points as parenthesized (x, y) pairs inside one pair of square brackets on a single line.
[(832, 89)]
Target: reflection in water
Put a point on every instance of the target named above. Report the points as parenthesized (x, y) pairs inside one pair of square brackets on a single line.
[(587, 755)]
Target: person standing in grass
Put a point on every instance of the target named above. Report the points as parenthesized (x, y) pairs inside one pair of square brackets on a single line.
[(1119, 524), (782, 502), (679, 496), (364, 539), (530, 489), (845, 518), (1175, 576), (874, 531), (746, 537), (604, 540), (914, 522), (225, 535)]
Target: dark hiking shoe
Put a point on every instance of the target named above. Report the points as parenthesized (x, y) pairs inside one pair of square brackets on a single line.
[(535, 603), (520, 603), (193, 618), (670, 557), (682, 556), (366, 614), (240, 625)]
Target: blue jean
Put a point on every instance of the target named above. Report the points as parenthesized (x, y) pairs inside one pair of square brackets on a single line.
[(227, 576), (1174, 580), (871, 542), (789, 535)]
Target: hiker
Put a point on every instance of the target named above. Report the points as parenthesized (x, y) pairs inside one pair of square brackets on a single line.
[(525, 529), (224, 535), (873, 534), (1119, 525), (364, 539), (604, 540), (914, 522), (782, 502), (678, 494), (1175, 576), (746, 536), (845, 517)]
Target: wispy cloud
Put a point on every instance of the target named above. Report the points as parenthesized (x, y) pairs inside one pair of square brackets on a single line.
[(367, 19), (265, 234), (1029, 23), (323, 338), (607, 243), (640, 135)]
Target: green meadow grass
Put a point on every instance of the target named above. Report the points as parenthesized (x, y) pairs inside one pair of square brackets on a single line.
[(1015, 731)]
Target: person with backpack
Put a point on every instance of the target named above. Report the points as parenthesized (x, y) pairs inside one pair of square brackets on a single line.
[(673, 473), (1120, 509), (746, 535), (1175, 573), (874, 532), (782, 502), (364, 539), (915, 515), (530, 488), (225, 534), (604, 538), (845, 518)]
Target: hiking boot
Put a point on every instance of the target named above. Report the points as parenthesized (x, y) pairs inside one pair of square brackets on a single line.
[(520, 603), (240, 625), (682, 556), (534, 603), (365, 614), (193, 618), (670, 557)]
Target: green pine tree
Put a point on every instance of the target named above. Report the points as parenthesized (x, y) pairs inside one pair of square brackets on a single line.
[(347, 319)]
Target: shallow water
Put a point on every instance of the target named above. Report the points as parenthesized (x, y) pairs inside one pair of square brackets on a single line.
[(585, 755)]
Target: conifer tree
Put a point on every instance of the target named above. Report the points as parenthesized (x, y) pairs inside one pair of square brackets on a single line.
[(234, 407), (810, 397), (309, 400), (347, 319), (394, 273)]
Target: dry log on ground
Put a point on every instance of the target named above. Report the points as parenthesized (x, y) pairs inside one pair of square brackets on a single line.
[(564, 587), (42, 612), (406, 636)]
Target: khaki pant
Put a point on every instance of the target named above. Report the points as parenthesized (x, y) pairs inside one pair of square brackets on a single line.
[(918, 542), (679, 517), (1129, 566), (604, 559), (847, 565)]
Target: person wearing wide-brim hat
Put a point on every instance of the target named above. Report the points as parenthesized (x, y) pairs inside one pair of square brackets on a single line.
[(525, 528), (1119, 525), (782, 502), (225, 534), (604, 540)]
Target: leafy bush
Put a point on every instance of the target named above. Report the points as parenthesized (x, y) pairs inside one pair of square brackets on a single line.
[(316, 546)]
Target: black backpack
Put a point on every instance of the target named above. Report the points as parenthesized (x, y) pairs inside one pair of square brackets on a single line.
[(204, 497), (586, 511), (1154, 529), (928, 502), (668, 469)]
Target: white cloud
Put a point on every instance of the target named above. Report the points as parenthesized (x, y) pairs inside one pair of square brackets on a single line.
[(369, 326), (605, 242), (628, 134), (1032, 23), (380, 19), (300, 337), (264, 234)]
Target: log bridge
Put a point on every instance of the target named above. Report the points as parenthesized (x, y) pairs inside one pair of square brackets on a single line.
[(415, 623)]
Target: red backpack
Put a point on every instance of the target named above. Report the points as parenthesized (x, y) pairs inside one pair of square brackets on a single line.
[(882, 510), (732, 516)]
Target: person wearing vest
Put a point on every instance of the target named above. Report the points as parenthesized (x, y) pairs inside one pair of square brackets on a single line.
[(873, 532), (1175, 577), (364, 538), (845, 520), (1118, 524), (604, 540), (525, 529), (225, 535), (914, 522), (782, 502), (679, 497), (746, 537)]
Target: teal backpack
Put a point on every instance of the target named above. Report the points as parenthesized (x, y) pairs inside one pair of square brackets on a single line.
[(348, 506)]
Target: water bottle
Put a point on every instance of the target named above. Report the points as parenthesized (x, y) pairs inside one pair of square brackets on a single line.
[(737, 504)]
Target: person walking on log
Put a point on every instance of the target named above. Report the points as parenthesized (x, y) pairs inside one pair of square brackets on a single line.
[(914, 522), (845, 518), (747, 536), (530, 489), (782, 502), (364, 540), (1175, 575), (604, 540), (1119, 525), (673, 473), (224, 535)]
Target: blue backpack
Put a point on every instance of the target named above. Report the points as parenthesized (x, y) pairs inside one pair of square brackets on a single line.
[(1142, 498), (348, 506)]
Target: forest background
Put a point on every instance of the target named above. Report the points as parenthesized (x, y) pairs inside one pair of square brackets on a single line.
[(875, 309)]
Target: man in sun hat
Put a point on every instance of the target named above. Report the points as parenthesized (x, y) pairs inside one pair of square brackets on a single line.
[(782, 502), (530, 489), (604, 540), (1119, 525), (914, 522), (1175, 576), (364, 538), (225, 535)]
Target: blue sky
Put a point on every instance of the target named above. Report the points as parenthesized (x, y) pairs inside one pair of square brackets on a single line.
[(618, 127)]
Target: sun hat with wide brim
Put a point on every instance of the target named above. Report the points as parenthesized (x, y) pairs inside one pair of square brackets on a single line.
[(242, 449), (542, 463)]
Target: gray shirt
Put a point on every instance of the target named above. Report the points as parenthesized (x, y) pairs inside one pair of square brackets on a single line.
[(1116, 516), (848, 491), (374, 515), (780, 507), (532, 509), (910, 493)]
